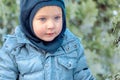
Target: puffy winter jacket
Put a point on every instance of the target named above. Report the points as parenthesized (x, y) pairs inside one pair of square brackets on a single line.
[(21, 60)]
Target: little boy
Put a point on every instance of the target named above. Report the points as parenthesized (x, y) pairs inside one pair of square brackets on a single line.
[(42, 48)]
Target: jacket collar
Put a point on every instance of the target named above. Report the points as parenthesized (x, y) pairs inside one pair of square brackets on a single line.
[(21, 38)]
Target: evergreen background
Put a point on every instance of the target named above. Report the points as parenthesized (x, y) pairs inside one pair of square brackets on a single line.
[(96, 22)]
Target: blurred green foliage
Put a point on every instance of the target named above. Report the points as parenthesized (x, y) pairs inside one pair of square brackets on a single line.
[(96, 22), (9, 11)]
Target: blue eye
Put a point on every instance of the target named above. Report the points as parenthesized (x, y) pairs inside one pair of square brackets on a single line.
[(57, 17), (42, 19)]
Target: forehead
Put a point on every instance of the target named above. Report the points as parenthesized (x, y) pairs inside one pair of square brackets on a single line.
[(50, 9)]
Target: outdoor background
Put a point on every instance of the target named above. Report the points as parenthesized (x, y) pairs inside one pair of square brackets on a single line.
[(96, 22)]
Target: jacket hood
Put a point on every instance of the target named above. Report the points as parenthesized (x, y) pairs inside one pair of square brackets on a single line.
[(28, 9)]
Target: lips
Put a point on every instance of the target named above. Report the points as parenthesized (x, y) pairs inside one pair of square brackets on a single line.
[(50, 34)]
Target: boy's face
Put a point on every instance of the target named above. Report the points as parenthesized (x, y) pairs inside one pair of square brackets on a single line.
[(47, 23)]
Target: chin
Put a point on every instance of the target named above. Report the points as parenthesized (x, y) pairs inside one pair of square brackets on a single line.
[(49, 40)]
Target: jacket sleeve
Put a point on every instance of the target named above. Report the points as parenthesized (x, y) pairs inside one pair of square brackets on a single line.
[(82, 72), (8, 71)]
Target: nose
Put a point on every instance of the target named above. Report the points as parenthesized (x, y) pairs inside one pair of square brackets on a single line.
[(51, 24)]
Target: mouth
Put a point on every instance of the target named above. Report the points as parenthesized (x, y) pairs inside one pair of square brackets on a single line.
[(50, 34)]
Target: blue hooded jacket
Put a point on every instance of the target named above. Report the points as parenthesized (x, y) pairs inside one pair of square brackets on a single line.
[(22, 59)]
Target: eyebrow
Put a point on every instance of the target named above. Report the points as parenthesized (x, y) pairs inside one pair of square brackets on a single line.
[(45, 15)]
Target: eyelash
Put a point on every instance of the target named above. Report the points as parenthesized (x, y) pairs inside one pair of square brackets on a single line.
[(55, 18), (42, 19)]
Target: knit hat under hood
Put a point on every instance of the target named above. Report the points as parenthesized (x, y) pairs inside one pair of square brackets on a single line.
[(28, 9)]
